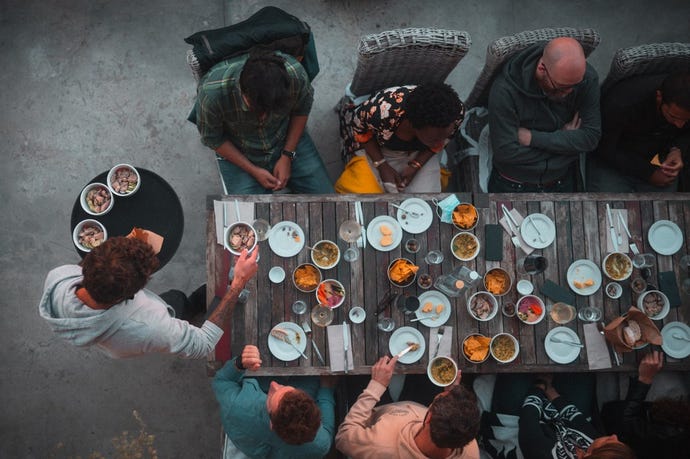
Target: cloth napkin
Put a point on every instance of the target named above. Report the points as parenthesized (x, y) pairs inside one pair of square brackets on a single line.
[(518, 218), (444, 348), (618, 228), (226, 215), (335, 348), (598, 355)]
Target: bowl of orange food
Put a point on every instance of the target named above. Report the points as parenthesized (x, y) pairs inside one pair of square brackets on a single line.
[(465, 216), (306, 277), (402, 272), (475, 348), (497, 281)]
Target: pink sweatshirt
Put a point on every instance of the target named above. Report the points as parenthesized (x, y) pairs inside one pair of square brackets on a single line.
[(387, 431)]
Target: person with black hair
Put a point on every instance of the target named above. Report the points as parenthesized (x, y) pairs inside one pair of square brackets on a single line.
[(252, 110), (402, 130), (646, 134)]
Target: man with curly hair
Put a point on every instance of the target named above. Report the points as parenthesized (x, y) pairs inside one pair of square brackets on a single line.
[(264, 418), (103, 303), (402, 130), (407, 429)]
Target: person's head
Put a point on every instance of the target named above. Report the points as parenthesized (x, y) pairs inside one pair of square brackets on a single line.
[(117, 269), (561, 67), (265, 83), (453, 418), (608, 448), (433, 109), (673, 98), (294, 416)]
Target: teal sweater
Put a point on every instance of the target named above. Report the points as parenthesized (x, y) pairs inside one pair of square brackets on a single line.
[(516, 100), (245, 419)]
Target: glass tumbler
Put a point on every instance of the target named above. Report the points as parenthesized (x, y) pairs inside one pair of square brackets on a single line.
[(589, 314), (386, 324), (434, 257)]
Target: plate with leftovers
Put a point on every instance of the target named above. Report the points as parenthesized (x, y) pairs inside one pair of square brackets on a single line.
[(676, 337), (404, 337), (434, 308), (538, 231), (384, 233), (286, 239), (584, 277), (418, 217), (282, 350)]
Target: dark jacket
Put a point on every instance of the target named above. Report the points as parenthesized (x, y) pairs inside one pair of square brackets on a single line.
[(516, 100)]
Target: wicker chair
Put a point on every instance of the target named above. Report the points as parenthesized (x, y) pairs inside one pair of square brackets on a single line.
[(652, 59), (497, 53)]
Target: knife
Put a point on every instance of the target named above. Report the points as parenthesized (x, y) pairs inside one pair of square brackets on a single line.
[(412, 346), (346, 343), (359, 216), (614, 239)]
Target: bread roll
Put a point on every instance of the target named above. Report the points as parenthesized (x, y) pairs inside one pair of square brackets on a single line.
[(632, 333)]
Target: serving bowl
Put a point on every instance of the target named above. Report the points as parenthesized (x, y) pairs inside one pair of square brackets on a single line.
[(497, 281), (654, 304), (617, 266), (465, 216), (402, 272), (530, 309), (306, 277), (96, 199), (89, 234), (504, 347), (442, 371), (465, 246), (477, 345), (483, 306), (123, 180), (326, 254), (331, 293), (239, 236)]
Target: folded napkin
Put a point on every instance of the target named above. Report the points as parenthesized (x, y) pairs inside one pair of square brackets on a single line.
[(155, 240), (518, 218), (226, 215), (618, 228), (444, 348), (598, 355), (336, 351)]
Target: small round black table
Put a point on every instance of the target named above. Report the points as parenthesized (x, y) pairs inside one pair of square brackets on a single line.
[(154, 207)]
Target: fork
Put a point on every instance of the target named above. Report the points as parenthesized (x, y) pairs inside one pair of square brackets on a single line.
[(439, 337), (282, 335), (307, 331), (679, 336), (553, 339)]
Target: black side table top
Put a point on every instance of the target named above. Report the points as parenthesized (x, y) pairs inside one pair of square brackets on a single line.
[(155, 207)]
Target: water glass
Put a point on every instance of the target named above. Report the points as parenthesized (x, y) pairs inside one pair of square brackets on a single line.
[(434, 257), (262, 227), (643, 260), (589, 314), (299, 307), (532, 264), (351, 254), (386, 324), (407, 303)]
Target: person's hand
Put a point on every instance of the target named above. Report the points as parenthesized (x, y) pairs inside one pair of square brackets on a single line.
[(388, 174), (660, 179), (406, 177), (282, 171), (454, 383), (245, 267), (650, 365), (265, 178), (251, 359), (573, 124), (524, 136), (673, 163), (382, 371)]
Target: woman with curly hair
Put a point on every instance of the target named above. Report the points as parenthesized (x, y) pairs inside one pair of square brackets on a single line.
[(103, 303), (402, 130)]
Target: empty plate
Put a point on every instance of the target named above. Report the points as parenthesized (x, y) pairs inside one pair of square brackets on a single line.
[(665, 237), (562, 352), (415, 224), (675, 347)]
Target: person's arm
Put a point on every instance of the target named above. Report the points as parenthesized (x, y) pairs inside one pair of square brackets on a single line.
[(229, 151), (245, 268), (533, 442), (228, 380), (633, 413), (283, 167)]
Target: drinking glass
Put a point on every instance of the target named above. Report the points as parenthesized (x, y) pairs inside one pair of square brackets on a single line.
[(407, 303), (322, 315), (638, 285), (434, 257), (589, 314), (643, 260), (350, 231), (299, 307), (412, 245), (562, 313), (386, 324), (262, 227), (532, 264), (351, 254), (425, 281)]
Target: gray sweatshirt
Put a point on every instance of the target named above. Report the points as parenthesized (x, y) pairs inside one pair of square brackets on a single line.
[(134, 327)]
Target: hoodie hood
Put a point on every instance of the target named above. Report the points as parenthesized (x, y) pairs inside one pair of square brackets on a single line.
[(519, 71)]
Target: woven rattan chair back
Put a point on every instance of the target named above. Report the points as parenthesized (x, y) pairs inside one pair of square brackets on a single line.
[(407, 56), (652, 59), (503, 48)]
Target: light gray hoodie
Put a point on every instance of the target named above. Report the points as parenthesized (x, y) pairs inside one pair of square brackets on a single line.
[(134, 327)]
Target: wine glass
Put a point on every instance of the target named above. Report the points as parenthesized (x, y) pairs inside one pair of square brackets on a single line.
[(322, 315), (350, 231)]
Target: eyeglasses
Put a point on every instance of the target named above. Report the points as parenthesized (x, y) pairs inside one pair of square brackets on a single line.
[(557, 87)]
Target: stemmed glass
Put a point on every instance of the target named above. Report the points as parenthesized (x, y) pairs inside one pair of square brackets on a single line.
[(350, 231)]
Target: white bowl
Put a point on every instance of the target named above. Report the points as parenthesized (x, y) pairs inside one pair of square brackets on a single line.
[(464, 235), (119, 191), (515, 342), (664, 309), (330, 300), (317, 261), (95, 186), (302, 288), (357, 315), (440, 359), (624, 259), (249, 244), (524, 287), (532, 299), (397, 284), (85, 224), (492, 301), (276, 274), (465, 354)]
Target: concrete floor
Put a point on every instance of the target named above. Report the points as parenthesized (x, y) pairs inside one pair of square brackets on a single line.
[(86, 84)]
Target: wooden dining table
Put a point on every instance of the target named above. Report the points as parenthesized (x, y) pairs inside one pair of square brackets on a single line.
[(581, 232)]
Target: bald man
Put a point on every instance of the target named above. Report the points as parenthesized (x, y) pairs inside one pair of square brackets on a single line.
[(543, 112)]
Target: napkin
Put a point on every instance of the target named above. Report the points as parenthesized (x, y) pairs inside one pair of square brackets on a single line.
[(444, 348), (618, 228), (335, 348), (155, 240), (598, 355), (226, 215), (518, 218), (557, 293)]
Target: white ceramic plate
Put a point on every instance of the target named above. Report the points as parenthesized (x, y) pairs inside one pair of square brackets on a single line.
[(580, 271), (374, 232), (434, 297), (399, 340), (676, 348), (545, 226), (286, 239), (559, 352), (282, 350), (415, 225), (665, 237)]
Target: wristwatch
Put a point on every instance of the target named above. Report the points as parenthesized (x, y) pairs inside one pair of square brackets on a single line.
[(290, 154)]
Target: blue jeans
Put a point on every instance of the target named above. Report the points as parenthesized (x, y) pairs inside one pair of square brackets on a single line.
[(308, 174)]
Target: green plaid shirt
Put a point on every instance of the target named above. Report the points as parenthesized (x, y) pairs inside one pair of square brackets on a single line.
[(222, 114)]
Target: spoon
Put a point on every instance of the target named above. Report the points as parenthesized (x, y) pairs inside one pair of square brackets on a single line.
[(409, 212), (553, 339), (315, 250), (680, 337)]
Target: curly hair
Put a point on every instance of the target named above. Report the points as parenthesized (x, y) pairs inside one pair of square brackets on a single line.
[(265, 82), (297, 418), (454, 418), (433, 105), (117, 269), (675, 89), (611, 451)]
